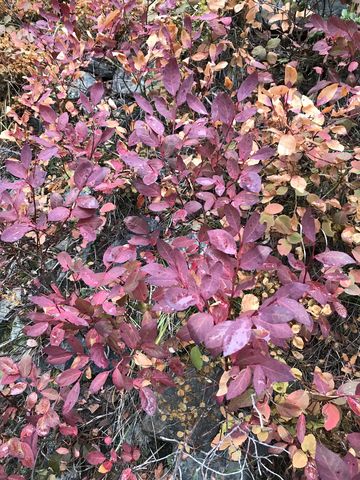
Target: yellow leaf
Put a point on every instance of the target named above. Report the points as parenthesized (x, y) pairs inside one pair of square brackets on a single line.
[(290, 75), (309, 444), (327, 94), (298, 183), (249, 303), (299, 460), (287, 145)]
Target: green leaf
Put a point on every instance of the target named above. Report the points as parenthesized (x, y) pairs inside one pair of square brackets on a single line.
[(196, 357)]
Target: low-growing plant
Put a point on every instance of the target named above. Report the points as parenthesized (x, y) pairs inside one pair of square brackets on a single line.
[(244, 229)]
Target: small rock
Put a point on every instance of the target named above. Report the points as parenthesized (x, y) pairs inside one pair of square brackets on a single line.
[(101, 68), (122, 84), (81, 85)]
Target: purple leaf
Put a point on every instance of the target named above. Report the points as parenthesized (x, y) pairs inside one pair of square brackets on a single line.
[(58, 214), (171, 77), (144, 104), (298, 311), (276, 371), (82, 173), (259, 380), (263, 153), (179, 298), (16, 168), (184, 89), (196, 104), (308, 225), (253, 229), (223, 109), (239, 384), (330, 466), (215, 338), (15, 232), (87, 201), (246, 114), (250, 181), (26, 155), (223, 241), (47, 114), (148, 401), (96, 93), (255, 257), (233, 218), (332, 258), (155, 124), (237, 336), (199, 325), (247, 86)]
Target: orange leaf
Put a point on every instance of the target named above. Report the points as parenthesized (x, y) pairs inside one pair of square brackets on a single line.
[(327, 94), (294, 404), (273, 208), (332, 416), (290, 75)]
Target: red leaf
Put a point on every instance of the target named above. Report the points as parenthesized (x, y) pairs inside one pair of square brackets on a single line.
[(98, 382), (329, 465), (36, 330), (237, 336), (301, 428), (332, 416), (95, 457), (97, 355), (68, 377), (47, 114), (223, 241), (15, 232), (137, 225), (354, 404), (127, 474), (148, 401), (71, 398), (248, 85), (171, 77), (239, 384), (96, 93)]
